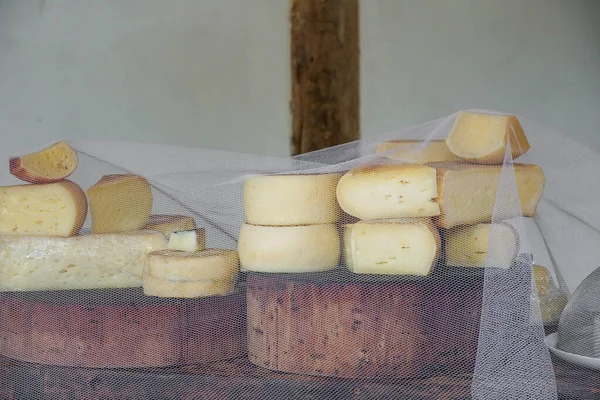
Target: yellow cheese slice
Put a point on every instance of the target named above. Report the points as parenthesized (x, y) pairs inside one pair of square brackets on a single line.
[(209, 264), (417, 151), (51, 164)]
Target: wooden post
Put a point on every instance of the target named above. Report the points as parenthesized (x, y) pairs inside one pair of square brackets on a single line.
[(325, 73)]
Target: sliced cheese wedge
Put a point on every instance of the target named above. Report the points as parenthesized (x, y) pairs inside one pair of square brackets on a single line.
[(163, 288), (209, 264), (170, 223), (52, 164), (417, 151), (194, 240)]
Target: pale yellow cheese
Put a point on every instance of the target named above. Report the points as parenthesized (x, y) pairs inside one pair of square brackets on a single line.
[(163, 288), (170, 223), (120, 203), (469, 246), (80, 262), (57, 209), (51, 164), (417, 151), (467, 192), (286, 200), (483, 138), (194, 240), (309, 248), (209, 264), (409, 247), (552, 300), (389, 190)]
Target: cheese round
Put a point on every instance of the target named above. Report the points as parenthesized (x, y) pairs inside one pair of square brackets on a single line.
[(290, 249), (168, 224), (286, 200), (209, 264), (163, 288)]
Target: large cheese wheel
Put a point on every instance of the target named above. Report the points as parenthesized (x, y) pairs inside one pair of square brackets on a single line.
[(292, 249), (206, 265), (291, 199)]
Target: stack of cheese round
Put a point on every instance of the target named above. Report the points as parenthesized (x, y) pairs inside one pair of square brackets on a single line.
[(290, 224)]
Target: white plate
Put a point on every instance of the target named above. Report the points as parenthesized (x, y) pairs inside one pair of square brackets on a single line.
[(582, 361)]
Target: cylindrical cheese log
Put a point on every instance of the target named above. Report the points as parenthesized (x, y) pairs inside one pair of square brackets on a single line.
[(206, 265), (290, 249), (286, 200), (389, 190), (168, 224), (417, 151), (183, 289)]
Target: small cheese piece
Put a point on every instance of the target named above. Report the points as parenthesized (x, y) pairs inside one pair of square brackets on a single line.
[(168, 224), (80, 262), (467, 192), (483, 138), (309, 248), (206, 265), (389, 190), (120, 203), (194, 240), (409, 247), (286, 200), (163, 288), (52, 164), (469, 246), (57, 209), (417, 151)]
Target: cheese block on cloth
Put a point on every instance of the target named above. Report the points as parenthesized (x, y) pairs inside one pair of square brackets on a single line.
[(48, 165), (56, 209), (469, 245), (291, 249), (389, 190), (193, 240), (404, 247), (209, 264), (81, 262), (168, 224), (287, 200), (186, 289), (417, 151), (120, 203), (483, 138), (467, 192)]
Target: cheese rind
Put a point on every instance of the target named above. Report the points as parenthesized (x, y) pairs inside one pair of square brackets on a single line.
[(389, 190), (57, 209), (120, 203), (410, 247), (287, 200), (291, 249), (467, 193), (417, 151), (190, 241), (52, 164), (483, 138), (162, 288), (209, 264), (82, 262), (168, 224)]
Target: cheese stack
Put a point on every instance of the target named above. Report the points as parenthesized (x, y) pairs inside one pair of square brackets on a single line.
[(290, 224)]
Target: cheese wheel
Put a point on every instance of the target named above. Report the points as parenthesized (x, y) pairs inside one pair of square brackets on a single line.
[(417, 151), (209, 264), (163, 288), (55, 209), (286, 200), (309, 248), (168, 224), (193, 240), (52, 164)]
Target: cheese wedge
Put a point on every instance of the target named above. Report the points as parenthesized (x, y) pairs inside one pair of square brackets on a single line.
[(309, 248), (417, 151), (551, 300), (82, 262), (52, 164), (481, 245), (194, 240), (409, 247), (287, 200), (467, 192), (389, 190), (483, 138), (162, 288), (168, 224), (120, 203), (206, 265), (57, 209)]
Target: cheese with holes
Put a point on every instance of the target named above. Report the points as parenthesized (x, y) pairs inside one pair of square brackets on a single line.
[(309, 248), (168, 224), (194, 240), (467, 193), (286, 200), (80, 262), (481, 245), (408, 247), (389, 190), (417, 151), (484, 138), (209, 264), (178, 289), (51, 164), (120, 203), (56, 209)]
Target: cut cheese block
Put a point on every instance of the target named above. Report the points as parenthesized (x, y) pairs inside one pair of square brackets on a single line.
[(178, 289), (286, 200), (81, 262), (483, 138), (378, 191), (207, 265), (193, 240), (168, 224), (469, 246), (417, 151), (120, 203), (290, 249), (52, 164), (57, 209), (409, 247), (467, 192)]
